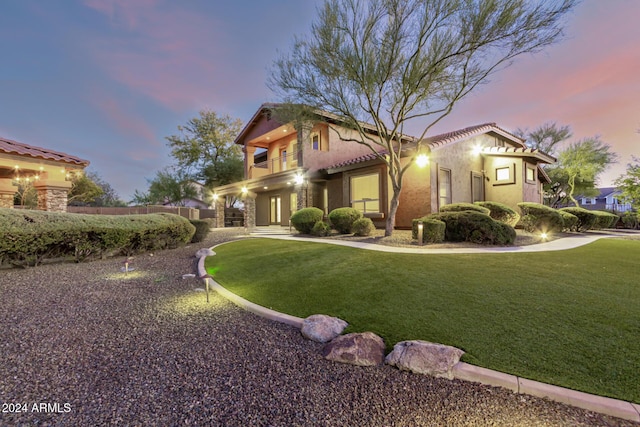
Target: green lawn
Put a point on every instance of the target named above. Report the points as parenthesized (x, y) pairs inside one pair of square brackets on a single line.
[(570, 318)]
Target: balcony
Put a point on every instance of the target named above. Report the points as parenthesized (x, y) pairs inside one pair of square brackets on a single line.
[(274, 165)]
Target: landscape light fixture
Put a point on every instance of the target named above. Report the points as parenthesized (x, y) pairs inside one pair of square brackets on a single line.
[(420, 231), (543, 236)]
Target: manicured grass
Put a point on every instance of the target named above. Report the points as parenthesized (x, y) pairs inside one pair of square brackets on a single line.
[(570, 318)]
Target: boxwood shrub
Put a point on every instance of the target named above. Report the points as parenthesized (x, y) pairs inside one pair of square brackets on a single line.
[(362, 227), (605, 219), (202, 229), (459, 207), (304, 219), (501, 212), (342, 219), (321, 229), (586, 218), (475, 227), (570, 221), (433, 230), (29, 237), (540, 218)]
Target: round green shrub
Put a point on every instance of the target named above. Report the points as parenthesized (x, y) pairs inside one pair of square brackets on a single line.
[(362, 227), (540, 218), (342, 219), (321, 229), (459, 207), (433, 230), (605, 219), (501, 212), (570, 221), (304, 219), (630, 220), (586, 218), (475, 227), (202, 229)]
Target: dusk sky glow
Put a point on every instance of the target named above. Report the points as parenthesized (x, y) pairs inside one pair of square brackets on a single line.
[(108, 80)]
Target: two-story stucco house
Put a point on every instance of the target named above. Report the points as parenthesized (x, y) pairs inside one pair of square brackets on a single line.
[(288, 168)]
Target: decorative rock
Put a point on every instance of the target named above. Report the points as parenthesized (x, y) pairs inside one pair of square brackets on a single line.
[(204, 252), (364, 349), (424, 357), (322, 328), (188, 276)]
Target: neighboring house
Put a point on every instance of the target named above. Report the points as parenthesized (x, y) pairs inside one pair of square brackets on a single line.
[(48, 170), (288, 168), (607, 199)]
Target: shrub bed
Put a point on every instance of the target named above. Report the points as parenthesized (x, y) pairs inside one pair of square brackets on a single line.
[(475, 227), (501, 212), (605, 219), (343, 218), (537, 217), (28, 237), (586, 218), (362, 227), (304, 219), (433, 230), (459, 207)]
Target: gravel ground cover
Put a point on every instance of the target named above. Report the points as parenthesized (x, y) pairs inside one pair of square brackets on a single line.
[(88, 345)]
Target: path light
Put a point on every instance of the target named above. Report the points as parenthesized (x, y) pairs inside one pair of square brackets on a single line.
[(422, 160), (543, 236), (206, 278), (126, 263), (420, 230)]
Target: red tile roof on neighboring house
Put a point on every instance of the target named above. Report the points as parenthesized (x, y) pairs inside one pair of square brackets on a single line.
[(355, 160), (458, 135), (17, 148)]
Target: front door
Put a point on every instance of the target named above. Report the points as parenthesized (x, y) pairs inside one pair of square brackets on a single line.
[(477, 187), (275, 210)]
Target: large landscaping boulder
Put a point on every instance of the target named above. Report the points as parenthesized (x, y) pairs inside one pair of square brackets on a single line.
[(322, 328), (424, 357), (362, 349)]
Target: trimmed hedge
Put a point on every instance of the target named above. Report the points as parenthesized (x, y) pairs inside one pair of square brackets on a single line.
[(537, 217), (343, 218), (501, 212), (362, 227), (586, 218), (605, 219), (304, 219), (433, 230), (460, 207), (475, 227), (28, 237), (570, 221), (202, 230), (321, 229), (630, 220)]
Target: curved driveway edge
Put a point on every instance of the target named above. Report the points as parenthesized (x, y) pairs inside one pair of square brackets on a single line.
[(464, 371)]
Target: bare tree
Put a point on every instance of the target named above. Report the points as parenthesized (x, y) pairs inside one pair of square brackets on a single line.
[(389, 62)]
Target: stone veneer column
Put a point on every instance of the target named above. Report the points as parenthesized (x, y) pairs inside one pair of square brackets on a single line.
[(7, 191), (249, 212), (52, 196), (220, 212)]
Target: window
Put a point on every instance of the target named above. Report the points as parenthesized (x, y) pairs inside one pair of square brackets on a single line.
[(505, 175), (530, 176), (283, 157), (365, 192), (293, 203), (315, 141), (444, 186)]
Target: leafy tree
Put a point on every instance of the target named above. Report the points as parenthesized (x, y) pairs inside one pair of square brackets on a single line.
[(169, 186), (205, 148), (545, 137), (83, 190), (629, 184), (579, 166), (389, 62), (26, 196)]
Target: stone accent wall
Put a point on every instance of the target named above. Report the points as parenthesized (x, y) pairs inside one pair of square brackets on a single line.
[(249, 212), (52, 199), (220, 212), (6, 201)]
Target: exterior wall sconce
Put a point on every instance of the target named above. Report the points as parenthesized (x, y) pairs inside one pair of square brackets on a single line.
[(477, 150), (215, 197), (244, 190), (299, 179), (420, 231), (422, 160)]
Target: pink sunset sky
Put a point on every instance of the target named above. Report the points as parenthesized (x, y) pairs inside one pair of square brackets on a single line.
[(108, 80)]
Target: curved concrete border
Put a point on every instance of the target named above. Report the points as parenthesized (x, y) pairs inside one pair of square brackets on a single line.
[(464, 371)]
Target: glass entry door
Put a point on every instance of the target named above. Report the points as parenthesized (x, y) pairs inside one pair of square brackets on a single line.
[(275, 210)]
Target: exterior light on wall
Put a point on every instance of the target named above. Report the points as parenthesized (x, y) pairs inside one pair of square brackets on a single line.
[(299, 179), (420, 231), (244, 190), (215, 197), (422, 160), (477, 150)]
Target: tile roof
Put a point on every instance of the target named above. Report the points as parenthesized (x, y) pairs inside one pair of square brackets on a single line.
[(458, 135), (355, 160), (17, 148)]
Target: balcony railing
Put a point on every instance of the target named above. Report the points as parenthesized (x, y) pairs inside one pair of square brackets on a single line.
[(275, 164), (618, 207)]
